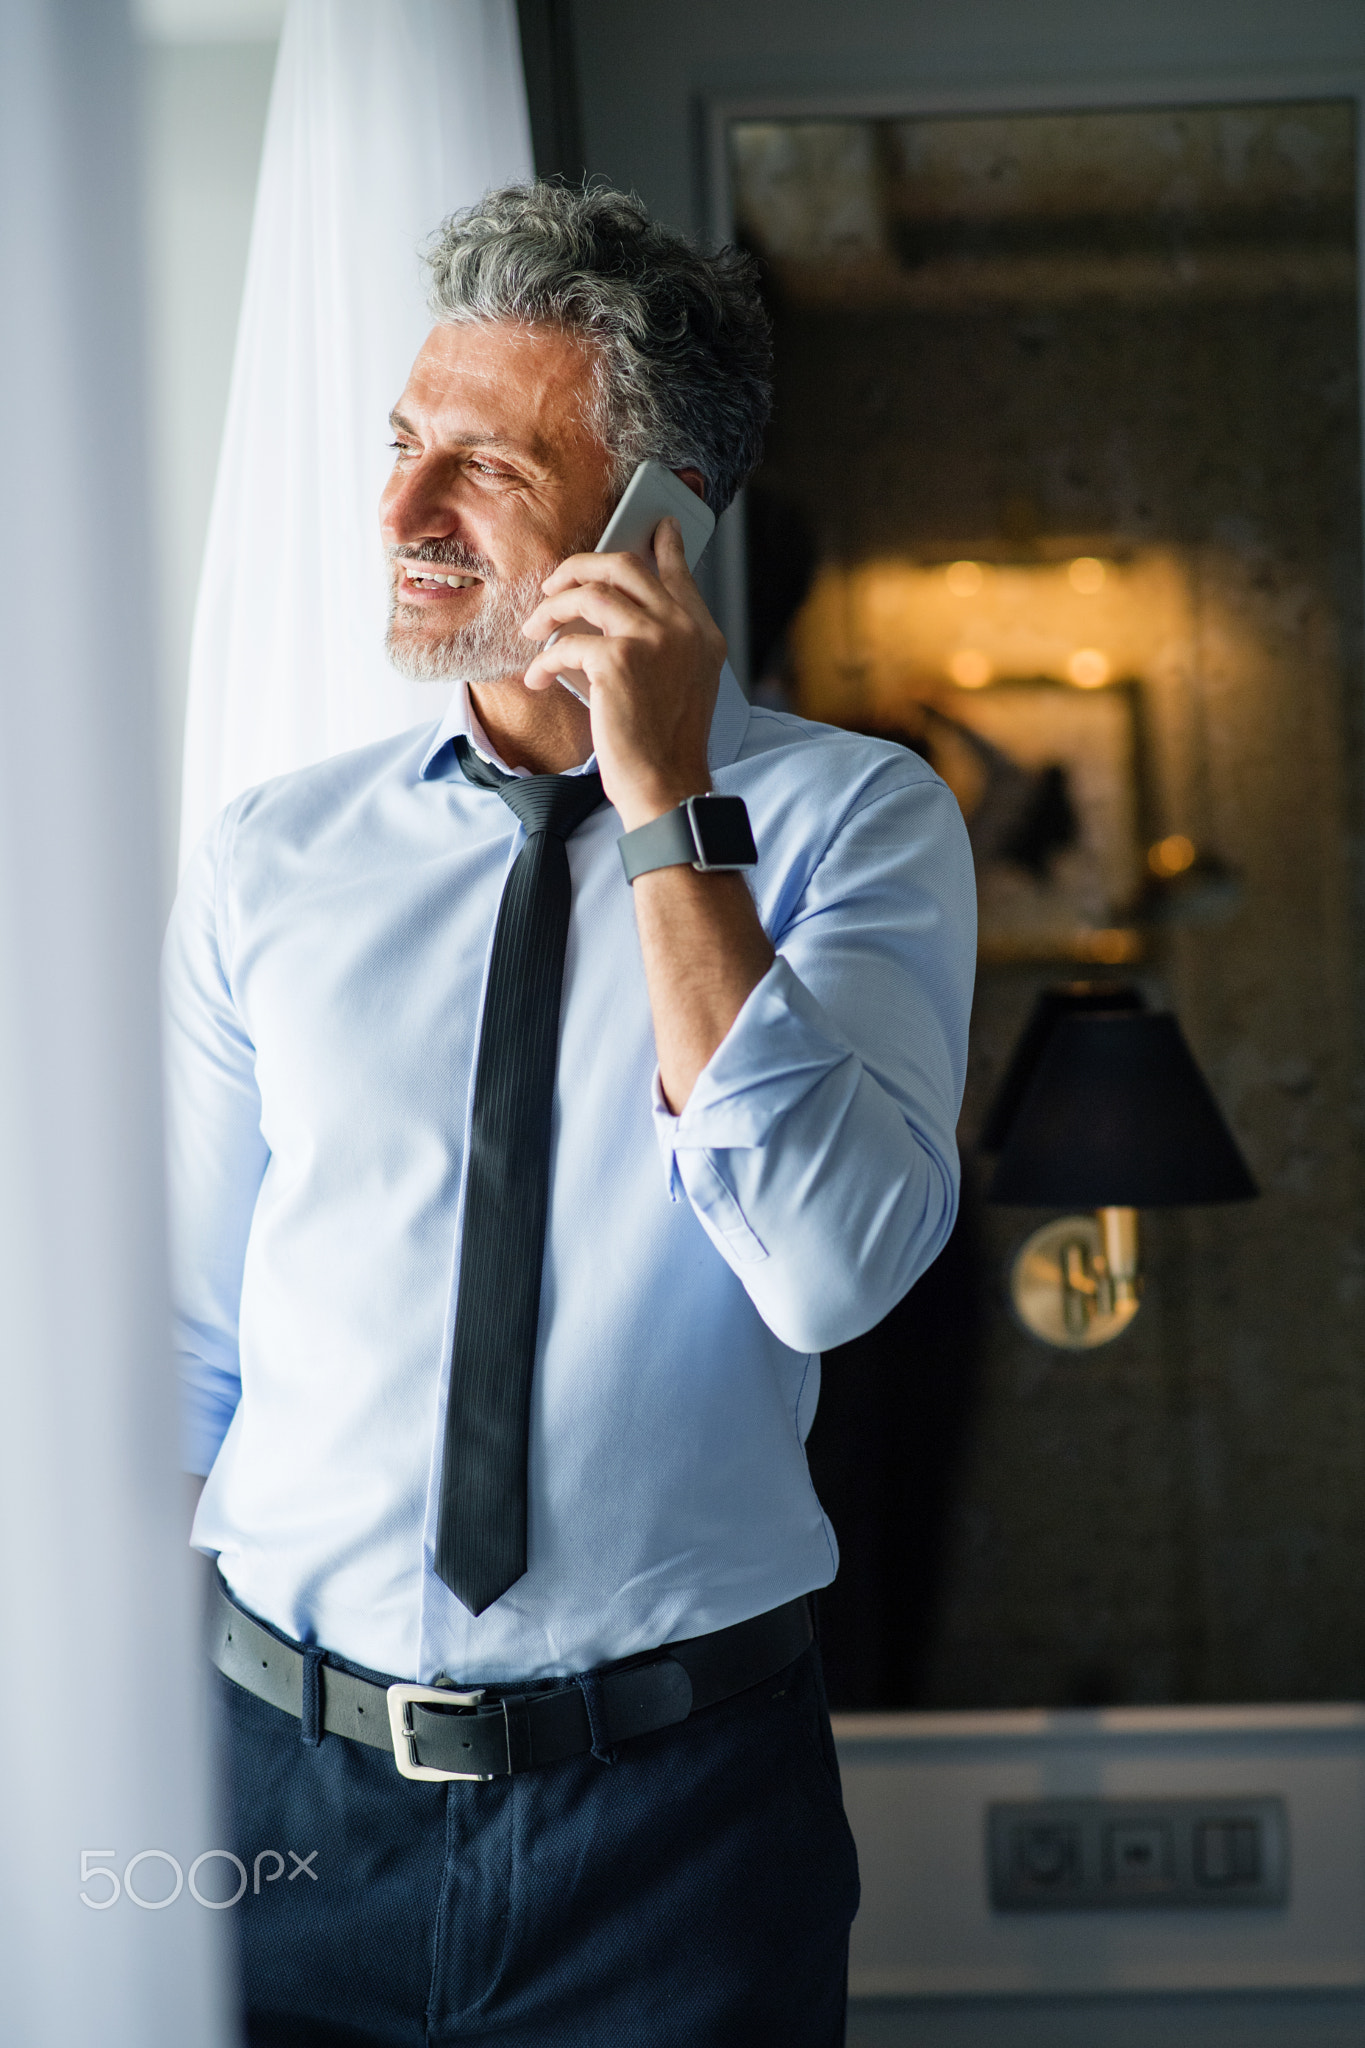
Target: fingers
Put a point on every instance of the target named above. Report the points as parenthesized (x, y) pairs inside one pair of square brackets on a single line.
[(625, 575), (674, 574), (669, 552), (638, 616), (599, 604), (576, 651), (626, 571)]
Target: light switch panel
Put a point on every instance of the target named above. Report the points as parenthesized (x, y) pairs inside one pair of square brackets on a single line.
[(1069, 1855)]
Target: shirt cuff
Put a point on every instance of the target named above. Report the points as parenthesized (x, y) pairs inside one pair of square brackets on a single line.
[(780, 1046)]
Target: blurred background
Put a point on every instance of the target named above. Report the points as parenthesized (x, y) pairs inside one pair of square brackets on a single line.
[(1068, 445)]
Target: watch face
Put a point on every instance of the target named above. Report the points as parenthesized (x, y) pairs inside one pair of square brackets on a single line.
[(721, 828)]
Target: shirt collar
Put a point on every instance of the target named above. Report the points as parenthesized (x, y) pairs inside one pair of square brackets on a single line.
[(728, 722), (461, 717)]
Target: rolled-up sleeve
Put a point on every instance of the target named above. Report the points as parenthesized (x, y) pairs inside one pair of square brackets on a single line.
[(818, 1146), (216, 1155)]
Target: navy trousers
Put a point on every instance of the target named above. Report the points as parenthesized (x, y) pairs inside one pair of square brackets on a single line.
[(697, 1890)]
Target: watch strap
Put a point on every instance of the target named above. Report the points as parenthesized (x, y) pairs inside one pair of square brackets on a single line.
[(665, 842), (710, 833)]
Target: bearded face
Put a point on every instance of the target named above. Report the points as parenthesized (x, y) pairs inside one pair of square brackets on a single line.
[(476, 639), (499, 475)]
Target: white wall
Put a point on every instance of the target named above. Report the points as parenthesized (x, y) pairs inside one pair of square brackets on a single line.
[(935, 1965), (205, 106)]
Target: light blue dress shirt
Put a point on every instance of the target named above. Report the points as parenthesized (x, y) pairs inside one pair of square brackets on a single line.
[(324, 974)]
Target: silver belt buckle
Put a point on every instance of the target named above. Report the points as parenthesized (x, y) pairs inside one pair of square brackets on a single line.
[(402, 1698)]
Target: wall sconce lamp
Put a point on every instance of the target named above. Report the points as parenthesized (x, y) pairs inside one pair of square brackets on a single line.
[(1102, 1109)]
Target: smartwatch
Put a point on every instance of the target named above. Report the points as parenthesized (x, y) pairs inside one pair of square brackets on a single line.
[(709, 833)]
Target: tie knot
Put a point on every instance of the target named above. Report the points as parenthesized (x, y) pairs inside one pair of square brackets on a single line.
[(552, 803), (544, 803)]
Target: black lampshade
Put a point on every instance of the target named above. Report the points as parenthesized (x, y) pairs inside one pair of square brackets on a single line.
[(1117, 1114), (1062, 1000)]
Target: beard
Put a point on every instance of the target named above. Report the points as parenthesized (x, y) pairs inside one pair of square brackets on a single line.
[(484, 648)]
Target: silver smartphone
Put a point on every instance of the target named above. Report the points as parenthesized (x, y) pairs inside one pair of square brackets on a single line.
[(651, 495)]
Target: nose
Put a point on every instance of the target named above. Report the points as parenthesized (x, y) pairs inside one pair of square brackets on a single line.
[(418, 503)]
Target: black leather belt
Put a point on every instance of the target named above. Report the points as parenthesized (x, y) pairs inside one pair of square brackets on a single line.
[(439, 1732)]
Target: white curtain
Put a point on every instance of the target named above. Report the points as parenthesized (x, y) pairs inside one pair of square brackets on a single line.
[(103, 1756), (386, 115)]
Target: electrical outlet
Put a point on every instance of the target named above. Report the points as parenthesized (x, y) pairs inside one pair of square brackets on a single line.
[(1069, 1855)]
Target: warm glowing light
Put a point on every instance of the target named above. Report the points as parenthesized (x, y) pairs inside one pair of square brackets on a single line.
[(1086, 574), (969, 668), (877, 638), (1088, 668), (1172, 855), (1112, 948), (963, 579)]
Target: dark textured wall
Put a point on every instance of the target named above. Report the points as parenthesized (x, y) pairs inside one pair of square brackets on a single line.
[(1182, 1515)]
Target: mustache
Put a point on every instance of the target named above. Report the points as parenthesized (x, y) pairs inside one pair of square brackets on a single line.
[(447, 554)]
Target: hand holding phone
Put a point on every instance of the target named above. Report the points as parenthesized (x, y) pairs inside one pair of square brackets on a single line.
[(652, 494)]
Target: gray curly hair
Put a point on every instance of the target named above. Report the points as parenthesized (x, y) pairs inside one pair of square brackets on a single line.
[(680, 339)]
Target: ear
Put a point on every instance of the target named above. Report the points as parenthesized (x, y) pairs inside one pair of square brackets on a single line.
[(694, 480)]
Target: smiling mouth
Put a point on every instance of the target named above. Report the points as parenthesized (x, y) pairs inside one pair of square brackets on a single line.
[(438, 579)]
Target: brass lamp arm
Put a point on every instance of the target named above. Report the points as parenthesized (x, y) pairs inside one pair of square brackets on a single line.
[(1075, 1283)]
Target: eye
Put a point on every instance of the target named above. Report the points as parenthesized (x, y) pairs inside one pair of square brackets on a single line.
[(402, 447)]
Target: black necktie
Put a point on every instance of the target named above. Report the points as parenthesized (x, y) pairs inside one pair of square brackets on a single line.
[(481, 1523)]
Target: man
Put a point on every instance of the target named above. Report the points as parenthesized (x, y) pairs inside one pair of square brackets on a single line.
[(514, 1201)]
